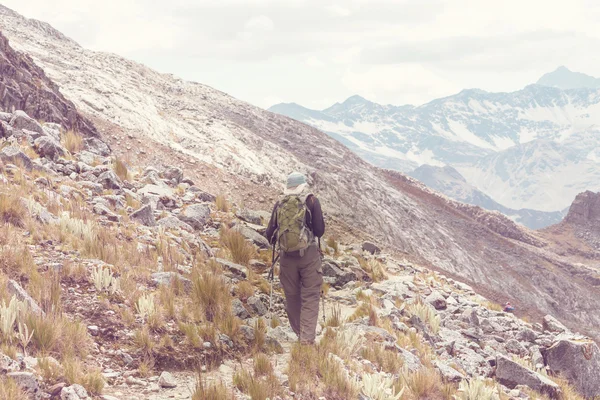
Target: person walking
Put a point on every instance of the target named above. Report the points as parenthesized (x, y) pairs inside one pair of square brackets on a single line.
[(295, 227)]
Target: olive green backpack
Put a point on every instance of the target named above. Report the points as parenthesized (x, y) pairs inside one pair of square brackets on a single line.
[(293, 233)]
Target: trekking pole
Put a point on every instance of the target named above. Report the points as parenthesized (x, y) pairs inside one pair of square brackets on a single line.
[(322, 291), (271, 277)]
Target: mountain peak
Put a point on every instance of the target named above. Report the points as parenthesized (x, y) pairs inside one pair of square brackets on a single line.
[(564, 78), (356, 99)]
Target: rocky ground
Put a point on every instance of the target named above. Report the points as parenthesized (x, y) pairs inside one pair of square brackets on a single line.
[(121, 283)]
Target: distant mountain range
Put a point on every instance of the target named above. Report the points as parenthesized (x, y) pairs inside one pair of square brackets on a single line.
[(535, 148)]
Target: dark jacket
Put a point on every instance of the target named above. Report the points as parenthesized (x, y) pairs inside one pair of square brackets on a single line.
[(314, 219)]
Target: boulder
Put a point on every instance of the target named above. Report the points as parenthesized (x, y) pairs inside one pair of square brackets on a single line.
[(578, 362), (371, 248), (14, 289), (436, 300), (339, 276), (5, 130), (254, 217), (551, 324), (512, 374), (109, 180), (13, 155), (255, 237), (256, 305), (167, 380), (172, 222), (238, 309), (144, 216), (202, 195), (7, 364), (74, 392), (165, 278), (20, 120), (105, 212), (448, 373), (236, 269), (28, 382), (97, 146), (173, 174), (196, 215), (515, 347), (48, 148)]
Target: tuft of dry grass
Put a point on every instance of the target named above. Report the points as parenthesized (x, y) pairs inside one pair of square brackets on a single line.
[(12, 210), (72, 141), (211, 294), (333, 244), (335, 320), (120, 169), (210, 391), (9, 390), (422, 384), (222, 203), (386, 360), (240, 250), (244, 290), (262, 365)]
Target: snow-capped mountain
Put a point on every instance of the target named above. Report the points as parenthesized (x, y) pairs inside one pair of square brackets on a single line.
[(564, 78), (450, 182), (508, 145)]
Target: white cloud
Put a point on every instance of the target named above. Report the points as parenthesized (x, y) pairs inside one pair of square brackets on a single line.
[(260, 23), (314, 61), (339, 11), (397, 84)]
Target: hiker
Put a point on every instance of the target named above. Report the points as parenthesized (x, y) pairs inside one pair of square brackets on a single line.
[(295, 227), (508, 307)]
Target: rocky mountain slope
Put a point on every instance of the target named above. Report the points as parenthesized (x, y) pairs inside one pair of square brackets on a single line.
[(511, 146), (126, 281), (450, 182), (140, 111)]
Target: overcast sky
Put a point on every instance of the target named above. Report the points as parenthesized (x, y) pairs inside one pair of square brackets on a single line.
[(318, 52)]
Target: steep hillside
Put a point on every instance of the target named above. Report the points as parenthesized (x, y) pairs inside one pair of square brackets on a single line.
[(450, 182), (502, 259), (470, 130)]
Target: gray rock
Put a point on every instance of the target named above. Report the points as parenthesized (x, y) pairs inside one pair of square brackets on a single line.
[(512, 374), (74, 392), (256, 305), (537, 359), (202, 195), (28, 382), (436, 300), (144, 216), (340, 276), (236, 269), (20, 120), (97, 146), (515, 347), (527, 335), (172, 222), (255, 237), (371, 248), (105, 212), (14, 289), (238, 309), (12, 155), (48, 148), (196, 215), (7, 364), (165, 278), (247, 333), (579, 363), (5, 117), (551, 324), (109, 180), (5, 130), (448, 373), (411, 361), (254, 217), (166, 380), (173, 174)]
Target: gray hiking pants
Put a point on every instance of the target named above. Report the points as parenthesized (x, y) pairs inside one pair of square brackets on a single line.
[(302, 278)]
